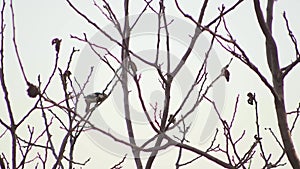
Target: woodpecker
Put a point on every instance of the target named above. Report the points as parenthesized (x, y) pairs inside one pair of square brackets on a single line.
[(96, 98)]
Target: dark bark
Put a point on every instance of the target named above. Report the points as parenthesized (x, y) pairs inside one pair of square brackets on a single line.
[(278, 81)]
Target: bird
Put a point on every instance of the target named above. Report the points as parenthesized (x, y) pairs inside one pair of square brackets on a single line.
[(96, 98)]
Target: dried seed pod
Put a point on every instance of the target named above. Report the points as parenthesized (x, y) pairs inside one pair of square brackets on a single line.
[(172, 119), (133, 67), (67, 73), (257, 138), (57, 43), (251, 98), (225, 72), (227, 75), (250, 101), (32, 90)]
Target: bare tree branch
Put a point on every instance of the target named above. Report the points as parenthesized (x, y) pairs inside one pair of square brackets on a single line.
[(118, 166), (288, 68), (272, 57)]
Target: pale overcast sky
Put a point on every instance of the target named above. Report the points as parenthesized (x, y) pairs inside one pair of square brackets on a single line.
[(38, 22)]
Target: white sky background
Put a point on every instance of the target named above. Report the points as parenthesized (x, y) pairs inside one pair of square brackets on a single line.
[(38, 22)]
